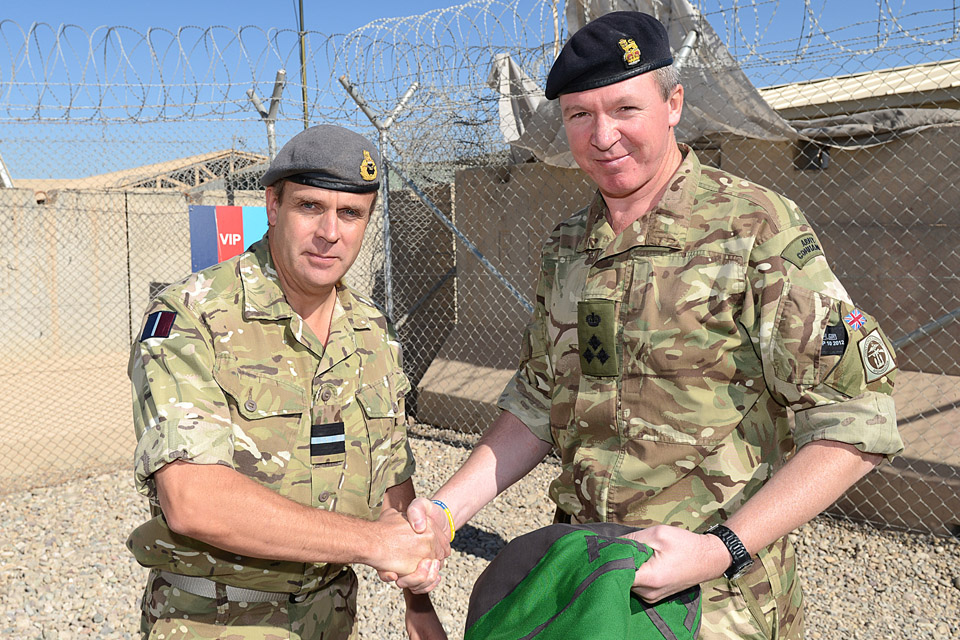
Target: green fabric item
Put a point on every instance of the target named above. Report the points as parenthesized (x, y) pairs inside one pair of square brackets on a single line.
[(573, 581), (597, 332)]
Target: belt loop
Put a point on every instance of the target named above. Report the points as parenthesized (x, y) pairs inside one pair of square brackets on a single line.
[(223, 604)]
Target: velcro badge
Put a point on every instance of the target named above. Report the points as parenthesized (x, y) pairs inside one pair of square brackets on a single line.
[(158, 325), (877, 359), (327, 439), (597, 332), (802, 250), (834, 340)]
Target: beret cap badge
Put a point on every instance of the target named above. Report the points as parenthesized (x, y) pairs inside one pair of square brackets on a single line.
[(368, 168), (631, 53)]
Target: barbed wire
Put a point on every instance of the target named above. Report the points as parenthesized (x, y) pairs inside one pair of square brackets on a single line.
[(111, 74), (895, 29)]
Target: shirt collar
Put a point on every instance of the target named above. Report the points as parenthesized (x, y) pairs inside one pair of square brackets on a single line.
[(263, 297), (664, 226)]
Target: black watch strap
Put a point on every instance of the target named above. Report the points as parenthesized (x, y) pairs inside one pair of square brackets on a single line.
[(742, 560)]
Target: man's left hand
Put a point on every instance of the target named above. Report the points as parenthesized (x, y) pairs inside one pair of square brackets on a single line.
[(680, 560)]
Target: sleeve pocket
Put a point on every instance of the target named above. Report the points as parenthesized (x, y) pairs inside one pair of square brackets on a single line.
[(532, 346), (802, 316), (869, 363)]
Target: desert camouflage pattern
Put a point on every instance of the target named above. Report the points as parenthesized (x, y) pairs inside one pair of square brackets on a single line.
[(663, 362), (241, 381), (326, 614), (765, 603)]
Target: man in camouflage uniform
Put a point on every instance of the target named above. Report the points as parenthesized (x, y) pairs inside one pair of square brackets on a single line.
[(680, 318), (269, 410)]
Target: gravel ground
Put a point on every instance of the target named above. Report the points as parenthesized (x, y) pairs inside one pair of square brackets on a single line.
[(64, 572)]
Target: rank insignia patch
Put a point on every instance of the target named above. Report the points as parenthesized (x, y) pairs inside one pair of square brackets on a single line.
[(158, 325), (596, 332), (327, 439), (631, 53), (877, 359), (368, 168)]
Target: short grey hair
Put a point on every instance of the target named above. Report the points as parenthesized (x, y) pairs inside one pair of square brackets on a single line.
[(667, 79)]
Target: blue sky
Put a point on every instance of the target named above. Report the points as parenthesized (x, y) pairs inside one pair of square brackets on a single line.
[(783, 27), (326, 16), (833, 37)]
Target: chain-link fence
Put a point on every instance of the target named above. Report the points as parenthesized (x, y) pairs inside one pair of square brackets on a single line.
[(109, 135)]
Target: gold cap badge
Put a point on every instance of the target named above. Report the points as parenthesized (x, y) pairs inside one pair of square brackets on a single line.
[(368, 168), (631, 53)]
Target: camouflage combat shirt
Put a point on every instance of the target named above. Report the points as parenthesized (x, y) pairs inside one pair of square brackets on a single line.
[(226, 372), (662, 362)]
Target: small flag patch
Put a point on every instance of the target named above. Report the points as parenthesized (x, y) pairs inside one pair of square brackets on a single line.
[(327, 439), (855, 319), (159, 324)]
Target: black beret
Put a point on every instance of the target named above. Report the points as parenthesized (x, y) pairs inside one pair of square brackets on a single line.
[(329, 157), (614, 47)]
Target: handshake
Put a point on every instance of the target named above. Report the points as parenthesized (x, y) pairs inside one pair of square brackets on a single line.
[(414, 546)]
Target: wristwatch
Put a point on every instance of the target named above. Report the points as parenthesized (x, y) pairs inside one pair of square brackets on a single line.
[(741, 559)]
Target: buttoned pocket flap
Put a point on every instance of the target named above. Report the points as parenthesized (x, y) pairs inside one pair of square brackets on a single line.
[(381, 399), (258, 395)]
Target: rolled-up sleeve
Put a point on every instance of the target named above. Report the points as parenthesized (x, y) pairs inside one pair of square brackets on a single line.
[(823, 357), (179, 410)]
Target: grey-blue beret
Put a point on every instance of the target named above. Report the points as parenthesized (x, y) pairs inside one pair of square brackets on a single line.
[(329, 157), (612, 48)]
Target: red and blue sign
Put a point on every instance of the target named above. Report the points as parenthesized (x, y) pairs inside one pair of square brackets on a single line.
[(219, 233)]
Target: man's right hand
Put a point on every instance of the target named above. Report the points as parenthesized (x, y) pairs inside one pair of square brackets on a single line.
[(405, 551), (423, 515)]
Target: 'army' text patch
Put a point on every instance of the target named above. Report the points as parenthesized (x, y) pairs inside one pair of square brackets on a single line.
[(802, 250)]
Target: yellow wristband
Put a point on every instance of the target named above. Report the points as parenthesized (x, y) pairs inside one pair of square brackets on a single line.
[(446, 510)]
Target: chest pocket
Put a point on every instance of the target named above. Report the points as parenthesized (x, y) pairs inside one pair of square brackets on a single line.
[(268, 416), (382, 406), (683, 313)]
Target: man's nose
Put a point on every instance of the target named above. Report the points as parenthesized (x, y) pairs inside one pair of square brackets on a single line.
[(605, 133), (328, 227)]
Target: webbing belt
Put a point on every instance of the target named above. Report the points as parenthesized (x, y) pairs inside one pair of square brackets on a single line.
[(207, 588)]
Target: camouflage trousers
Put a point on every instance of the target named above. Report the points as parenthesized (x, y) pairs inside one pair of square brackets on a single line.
[(168, 613), (766, 603)]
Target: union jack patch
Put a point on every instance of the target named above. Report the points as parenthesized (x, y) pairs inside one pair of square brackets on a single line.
[(855, 319), (158, 325)]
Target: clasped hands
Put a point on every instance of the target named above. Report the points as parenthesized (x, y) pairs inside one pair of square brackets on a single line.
[(414, 547)]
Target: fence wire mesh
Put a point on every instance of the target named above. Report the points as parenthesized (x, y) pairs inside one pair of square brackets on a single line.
[(109, 135)]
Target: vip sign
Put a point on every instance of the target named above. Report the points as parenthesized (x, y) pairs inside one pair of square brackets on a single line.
[(219, 233)]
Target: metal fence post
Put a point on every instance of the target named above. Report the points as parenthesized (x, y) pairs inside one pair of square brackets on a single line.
[(270, 116), (382, 127)]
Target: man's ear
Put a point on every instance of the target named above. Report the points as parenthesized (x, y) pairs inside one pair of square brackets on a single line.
[(675, 105), (273, 206)]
